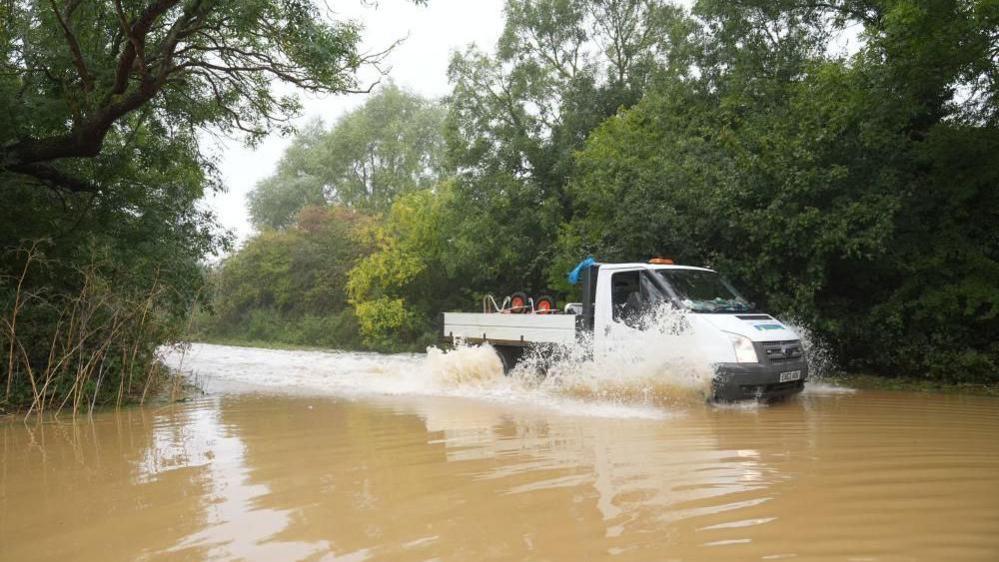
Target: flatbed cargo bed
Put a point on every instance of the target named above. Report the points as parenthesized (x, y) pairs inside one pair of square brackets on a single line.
[(510, 329)]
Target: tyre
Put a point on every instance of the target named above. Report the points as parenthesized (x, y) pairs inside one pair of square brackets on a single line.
[(518, 302), (544, 305), (509, 356)]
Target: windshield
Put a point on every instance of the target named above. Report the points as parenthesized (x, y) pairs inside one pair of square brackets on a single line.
[(704, 291)]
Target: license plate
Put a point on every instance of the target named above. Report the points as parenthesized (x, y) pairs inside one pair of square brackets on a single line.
[(789, 376)]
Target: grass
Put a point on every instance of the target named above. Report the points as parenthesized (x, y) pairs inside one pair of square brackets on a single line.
[(270, 344), (261, 344), (861, 381)]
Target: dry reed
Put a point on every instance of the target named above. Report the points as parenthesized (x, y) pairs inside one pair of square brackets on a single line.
[(93, 336)]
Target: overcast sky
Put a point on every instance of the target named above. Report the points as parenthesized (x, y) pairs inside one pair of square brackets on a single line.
[(419, 64)]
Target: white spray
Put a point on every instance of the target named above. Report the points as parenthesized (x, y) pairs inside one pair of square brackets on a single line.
[(820, 359), (659, 364), (637, 376)]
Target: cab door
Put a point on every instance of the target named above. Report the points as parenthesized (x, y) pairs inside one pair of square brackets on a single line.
[(623, 305)]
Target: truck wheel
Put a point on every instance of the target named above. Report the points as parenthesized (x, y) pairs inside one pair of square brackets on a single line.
[(544, 305), (509, 356), (518, 302)]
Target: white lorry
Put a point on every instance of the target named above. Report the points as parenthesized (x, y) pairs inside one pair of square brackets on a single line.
[(754, 356)]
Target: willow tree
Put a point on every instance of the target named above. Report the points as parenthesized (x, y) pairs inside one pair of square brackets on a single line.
[(103, 106), (74, 70), (391, 145)]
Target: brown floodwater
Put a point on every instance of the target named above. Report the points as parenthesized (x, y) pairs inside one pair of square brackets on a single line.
[(307, 456)]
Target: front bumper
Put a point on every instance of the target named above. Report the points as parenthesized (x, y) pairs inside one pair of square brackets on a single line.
[(756, 381)]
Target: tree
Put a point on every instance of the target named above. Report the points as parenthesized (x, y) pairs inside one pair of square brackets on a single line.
[(561, 68), (399, 288), (298, 182), (290, 286), (92, 283), (101, 109), (74, 72), (391, 145), (852, 192)]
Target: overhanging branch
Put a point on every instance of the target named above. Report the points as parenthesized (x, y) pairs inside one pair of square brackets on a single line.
[(54, 178)]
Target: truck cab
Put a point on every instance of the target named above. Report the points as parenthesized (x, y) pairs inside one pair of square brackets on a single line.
[(753, 355)]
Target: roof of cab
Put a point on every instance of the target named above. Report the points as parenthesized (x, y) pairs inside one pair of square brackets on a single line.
[(643, 265)]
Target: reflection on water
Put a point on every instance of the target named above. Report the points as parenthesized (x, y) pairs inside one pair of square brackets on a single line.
[(267, 476)]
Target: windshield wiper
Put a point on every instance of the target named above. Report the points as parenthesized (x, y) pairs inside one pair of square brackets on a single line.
[(732, 306)]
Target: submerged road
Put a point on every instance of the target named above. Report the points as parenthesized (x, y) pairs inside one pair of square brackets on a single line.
[(295, 455)]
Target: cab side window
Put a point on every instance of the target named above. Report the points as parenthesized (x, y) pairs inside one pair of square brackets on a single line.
[(626, 298), (633, 296)]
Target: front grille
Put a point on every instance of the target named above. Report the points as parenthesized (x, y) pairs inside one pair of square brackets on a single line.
[(779, 352)]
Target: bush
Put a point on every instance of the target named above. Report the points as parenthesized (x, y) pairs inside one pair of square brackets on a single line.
[(73, 339)]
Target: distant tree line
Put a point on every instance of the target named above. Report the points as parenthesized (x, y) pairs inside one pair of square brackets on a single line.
[(839, 161)]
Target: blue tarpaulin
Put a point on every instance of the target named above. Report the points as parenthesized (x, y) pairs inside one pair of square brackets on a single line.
[(574, 274)]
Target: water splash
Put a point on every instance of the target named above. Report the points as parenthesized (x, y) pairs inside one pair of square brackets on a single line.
[(577, 385), (649, 372), (464, 366), (659, 364), (821, 361)]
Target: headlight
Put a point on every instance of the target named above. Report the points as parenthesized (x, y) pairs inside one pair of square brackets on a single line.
[(743, 347)]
